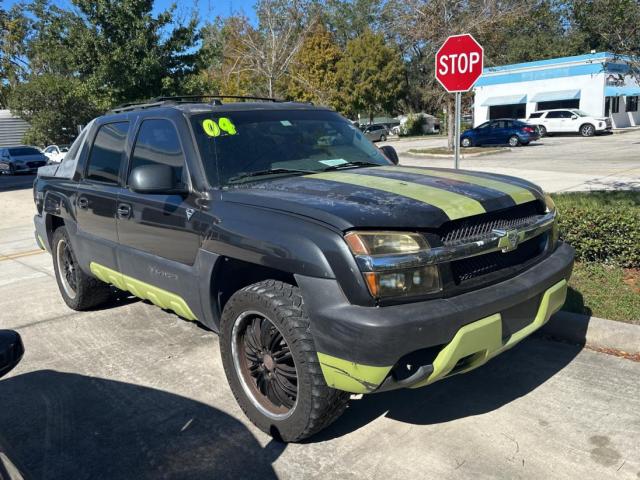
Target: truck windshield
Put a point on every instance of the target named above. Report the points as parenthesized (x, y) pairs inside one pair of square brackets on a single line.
[(256, 145)]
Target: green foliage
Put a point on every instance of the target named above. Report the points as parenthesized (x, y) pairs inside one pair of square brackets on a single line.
[(602, 226), (413, 125), (312, 76), (604, 291), (370, 75), (54, 105)]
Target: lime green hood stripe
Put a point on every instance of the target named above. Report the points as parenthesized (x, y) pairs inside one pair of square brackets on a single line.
[(157, 296), (452, 204), (517, 193)]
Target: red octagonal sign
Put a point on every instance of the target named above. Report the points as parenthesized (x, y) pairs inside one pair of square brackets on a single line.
[(459, 63)]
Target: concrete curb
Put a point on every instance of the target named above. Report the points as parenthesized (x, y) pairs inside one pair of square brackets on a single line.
[(462, 154), (596, 332)]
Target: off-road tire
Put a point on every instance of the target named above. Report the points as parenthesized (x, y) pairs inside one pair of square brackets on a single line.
[(89, 291), (317, 404)]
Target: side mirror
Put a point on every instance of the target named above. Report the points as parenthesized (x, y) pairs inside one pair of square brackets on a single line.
[(390, 153), (574, 117), (11, 350), (155, 179)]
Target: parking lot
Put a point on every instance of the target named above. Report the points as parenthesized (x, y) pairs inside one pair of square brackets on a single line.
[(131, 391), (558, 163)]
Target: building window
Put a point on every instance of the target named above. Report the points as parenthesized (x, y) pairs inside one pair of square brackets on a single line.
[(632, 104), (516, 110), (552, 105), (611, 105)]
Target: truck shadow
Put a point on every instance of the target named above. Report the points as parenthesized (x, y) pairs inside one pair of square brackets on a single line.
[(62, 425), (504, 379)]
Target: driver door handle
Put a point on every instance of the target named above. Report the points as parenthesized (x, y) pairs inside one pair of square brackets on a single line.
[(124, 210)]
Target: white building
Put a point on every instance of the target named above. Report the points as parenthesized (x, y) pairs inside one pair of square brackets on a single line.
[(597, 83)]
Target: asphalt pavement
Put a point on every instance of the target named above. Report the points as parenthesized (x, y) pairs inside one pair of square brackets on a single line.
[(559, 163), (131, 391)]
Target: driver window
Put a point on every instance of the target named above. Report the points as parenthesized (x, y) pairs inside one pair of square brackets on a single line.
[(158, 143)]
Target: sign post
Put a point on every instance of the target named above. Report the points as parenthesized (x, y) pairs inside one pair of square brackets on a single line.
[(459, 64)]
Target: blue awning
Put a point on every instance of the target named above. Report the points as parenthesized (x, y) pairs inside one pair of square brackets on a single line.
[(557, 95), (622, 91), (506, 100)]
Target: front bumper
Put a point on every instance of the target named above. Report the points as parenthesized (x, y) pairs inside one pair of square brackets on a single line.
[(42, 239), (362, 348)]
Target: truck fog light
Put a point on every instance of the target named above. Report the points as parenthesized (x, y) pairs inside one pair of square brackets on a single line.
[(404, 283)]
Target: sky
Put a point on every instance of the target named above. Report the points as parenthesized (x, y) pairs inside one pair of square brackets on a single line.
[(208, 9)]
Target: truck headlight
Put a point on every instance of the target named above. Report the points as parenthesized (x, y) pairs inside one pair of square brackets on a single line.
[(389, 247)]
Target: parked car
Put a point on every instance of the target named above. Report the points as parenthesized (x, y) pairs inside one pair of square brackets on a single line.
[(376, 133), (21, 159), (500, 131), (56, 153), (569, 121), (326, 269)]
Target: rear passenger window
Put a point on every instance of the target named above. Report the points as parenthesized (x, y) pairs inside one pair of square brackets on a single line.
[(554, 115), (158, 143), (106, 154)]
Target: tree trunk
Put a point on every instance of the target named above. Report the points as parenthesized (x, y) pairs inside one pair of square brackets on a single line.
[(450, 122), (370, 118)]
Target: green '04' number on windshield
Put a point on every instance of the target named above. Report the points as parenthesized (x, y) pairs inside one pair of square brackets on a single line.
[(215, 129)]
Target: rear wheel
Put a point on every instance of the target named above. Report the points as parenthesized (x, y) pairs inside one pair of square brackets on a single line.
[(271, 363), (542, 130), (465, 142), (587, 130), (79, 290), (383, 138), (514, 141)]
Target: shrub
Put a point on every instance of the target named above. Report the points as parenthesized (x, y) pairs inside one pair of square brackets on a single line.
[(602, 226), (413, 125)]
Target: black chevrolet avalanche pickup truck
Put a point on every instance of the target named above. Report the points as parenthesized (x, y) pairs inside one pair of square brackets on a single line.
[(327, 269)]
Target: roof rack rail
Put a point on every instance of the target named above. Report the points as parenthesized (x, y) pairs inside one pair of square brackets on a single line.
[(163, 101)]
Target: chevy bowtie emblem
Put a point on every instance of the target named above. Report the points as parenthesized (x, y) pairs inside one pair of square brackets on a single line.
[(508, 239), (190, 212)]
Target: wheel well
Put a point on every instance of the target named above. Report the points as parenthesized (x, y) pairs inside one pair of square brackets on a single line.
[(587, 123), (231, 275), (53, 223)]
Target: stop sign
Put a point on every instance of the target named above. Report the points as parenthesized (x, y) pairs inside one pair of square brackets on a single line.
[(459, 63)]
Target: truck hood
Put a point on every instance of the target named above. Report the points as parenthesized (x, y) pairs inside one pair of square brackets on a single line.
[(387, 197)]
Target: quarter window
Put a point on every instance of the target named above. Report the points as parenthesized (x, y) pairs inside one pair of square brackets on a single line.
[(107, 151), (158, 143)]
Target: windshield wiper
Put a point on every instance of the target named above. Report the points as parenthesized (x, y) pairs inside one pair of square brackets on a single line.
[(351, 164), (271, 171)]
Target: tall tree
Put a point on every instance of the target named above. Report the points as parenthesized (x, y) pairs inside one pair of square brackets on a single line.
[(14, 27), (265, 52), (348, 19), (370, 75), (312, 76), (613, 26), (54, 106)]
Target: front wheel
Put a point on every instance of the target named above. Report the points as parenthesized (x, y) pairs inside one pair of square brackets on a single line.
[(271, 363), (514, 141), (587, 130), (465, 142)]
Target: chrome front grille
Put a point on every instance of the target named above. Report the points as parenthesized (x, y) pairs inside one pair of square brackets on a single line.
[(476, 231)]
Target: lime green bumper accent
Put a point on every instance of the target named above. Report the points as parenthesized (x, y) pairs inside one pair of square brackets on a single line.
[(40, 242), (475, 344), (480, 341), (157, 296), (349, 376)]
